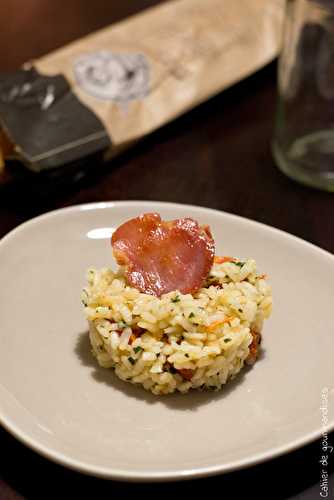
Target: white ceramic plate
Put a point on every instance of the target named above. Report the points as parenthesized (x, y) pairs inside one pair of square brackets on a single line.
[(55, 399)]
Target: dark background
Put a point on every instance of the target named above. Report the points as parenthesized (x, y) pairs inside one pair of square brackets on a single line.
[(217, 156)]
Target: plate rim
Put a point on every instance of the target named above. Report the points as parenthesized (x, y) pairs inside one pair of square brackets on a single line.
[(157, 476), (100, 205)]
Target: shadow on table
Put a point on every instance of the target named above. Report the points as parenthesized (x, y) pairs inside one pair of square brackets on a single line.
[(185, 402), (26, 475)]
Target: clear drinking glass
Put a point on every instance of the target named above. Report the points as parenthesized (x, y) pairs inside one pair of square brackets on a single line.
[(303, 144)]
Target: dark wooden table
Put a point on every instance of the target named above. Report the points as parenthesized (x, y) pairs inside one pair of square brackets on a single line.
[(216, 156)]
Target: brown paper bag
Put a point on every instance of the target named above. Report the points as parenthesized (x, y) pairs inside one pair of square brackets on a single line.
[(113, 87)]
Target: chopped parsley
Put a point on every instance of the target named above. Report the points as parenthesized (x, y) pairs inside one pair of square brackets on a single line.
[(176, 299), (239, 264), (138, 349), (132, 361), (121, 324), (84, 297), (227, 340), (191, 315)]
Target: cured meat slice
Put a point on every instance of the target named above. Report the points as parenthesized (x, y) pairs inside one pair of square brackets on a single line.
[(163, 256)]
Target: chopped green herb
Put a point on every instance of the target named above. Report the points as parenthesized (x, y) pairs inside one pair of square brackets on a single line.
[(176, 299), (121, 324), (227, 340), (138, 349), (132, 361), (191, 315), (239, 264)]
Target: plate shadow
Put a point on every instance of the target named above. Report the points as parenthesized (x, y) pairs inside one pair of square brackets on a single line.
[(190, 401)]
